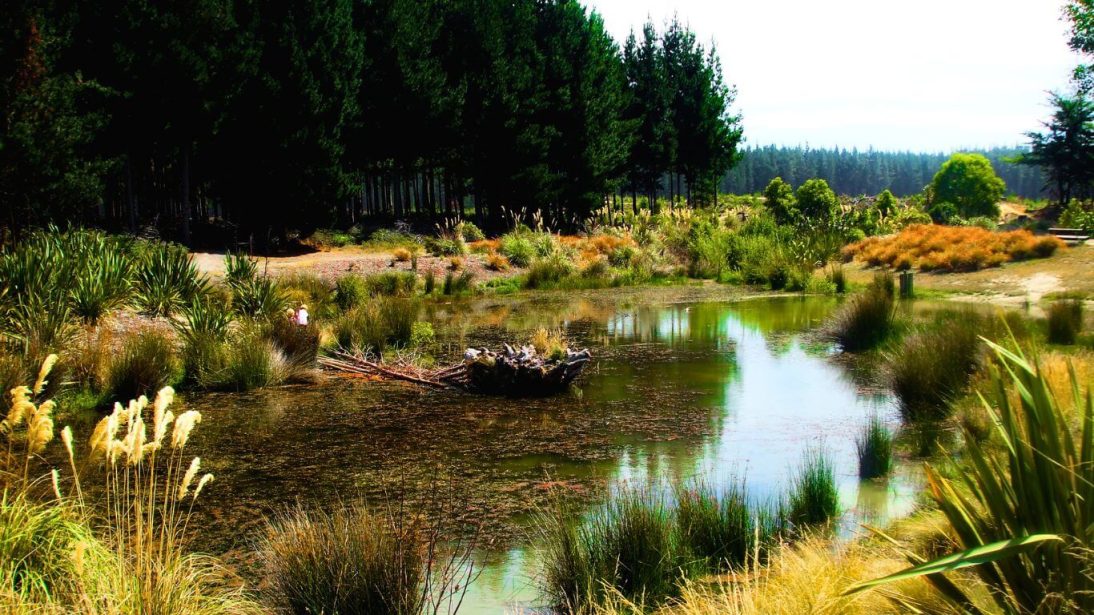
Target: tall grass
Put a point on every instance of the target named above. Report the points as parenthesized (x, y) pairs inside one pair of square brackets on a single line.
[(146, 363), (814, 496), (548, 270), (627, 546), (723, 530), (874, 445), (1065, 321), (376, 325), (1023, 514), (932, 366), (348, 560), (167, 280), (865, 321)]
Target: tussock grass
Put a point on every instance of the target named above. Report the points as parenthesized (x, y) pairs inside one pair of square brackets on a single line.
[(933, 366), (376, 325), (724, 530), (457, 284), (931, 247), (874, 445), (865, 321), (627, 546), (1065, 321), (146, 363), (348, 560), (814, 497), (548, 270)]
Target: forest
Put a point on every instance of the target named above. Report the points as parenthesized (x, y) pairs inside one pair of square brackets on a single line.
[(854, 172), (130, 114)]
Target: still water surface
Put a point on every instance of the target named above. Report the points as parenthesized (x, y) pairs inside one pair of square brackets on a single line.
[(682, 387)]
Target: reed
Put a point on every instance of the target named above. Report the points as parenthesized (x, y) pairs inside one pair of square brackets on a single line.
[(933, 366), (146, 363), (723, 530), (377, 325), (813, 497), (392, 284), (865, 321), (1065, 321), (626, 546), (874, 445)]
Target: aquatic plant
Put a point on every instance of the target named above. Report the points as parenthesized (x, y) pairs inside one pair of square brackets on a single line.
[(865, 321), (723, 529), (813, 497), (456, 285), (874, 445), (932, 366), (838, 278), (252, 362), (350, 291), (430, 282), (627, 546), (1022, 514), (146, 363), (1065, 321)]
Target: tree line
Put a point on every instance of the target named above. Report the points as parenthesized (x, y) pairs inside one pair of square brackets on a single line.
[(855, 172), (270, 116)]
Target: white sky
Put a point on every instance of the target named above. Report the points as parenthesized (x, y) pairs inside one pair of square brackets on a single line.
[(924, 75)]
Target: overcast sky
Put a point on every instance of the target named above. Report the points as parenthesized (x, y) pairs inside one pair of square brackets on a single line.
[(923, 75)]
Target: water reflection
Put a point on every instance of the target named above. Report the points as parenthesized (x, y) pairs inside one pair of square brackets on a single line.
[(679, 389)]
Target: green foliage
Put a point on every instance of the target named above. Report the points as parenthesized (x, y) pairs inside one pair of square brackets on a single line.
[(548, 270), (260, 296), (145, 364), (970, 183), (724, 530), (874, 445), (886, 203), (350, 291), (816, 201), (932, 366), (392, 284), (457, 284), (1065, 321), (376, 325), (167, 280), (469, 232), (814, 496), (421, 334), (1078, 215), (865, 321), (446, 246), (1022, 513), (253, 362), (779, 199)]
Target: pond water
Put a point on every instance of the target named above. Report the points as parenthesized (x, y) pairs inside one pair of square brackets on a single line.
[(684, 385)]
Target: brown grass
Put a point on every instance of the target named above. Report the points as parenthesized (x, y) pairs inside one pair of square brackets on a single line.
[(497, 262), (931, 247)]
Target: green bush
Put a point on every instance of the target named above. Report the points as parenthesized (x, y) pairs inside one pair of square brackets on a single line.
[(259, 296), (421, 333), (517, 248), (469, 232), (145, 364), (430, 282), (350, 291), (457, 284), (446, 246), (722, 530), (376, 325), (253, 362), (1065, 321), (548, 270)]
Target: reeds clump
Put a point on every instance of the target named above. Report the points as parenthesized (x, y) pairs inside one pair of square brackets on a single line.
[(865, 321), (348, 560), (874, 445), (391, 284), (550, 344), (146, 363), (376, 325), (932, 366), (456, 285), (814, 496), (1065, 321), (627, 546), (723, 530)]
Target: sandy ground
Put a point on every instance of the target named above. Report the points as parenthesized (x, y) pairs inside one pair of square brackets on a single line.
[(331, 264)]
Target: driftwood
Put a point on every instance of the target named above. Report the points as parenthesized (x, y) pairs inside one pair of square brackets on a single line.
[(512, 372)]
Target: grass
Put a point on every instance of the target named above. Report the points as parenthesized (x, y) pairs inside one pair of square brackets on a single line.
[(166, 280), (376, 325), (1022, 514), (548, 270), (813, 497), (457, 284), (723, 530), (874, 445), (348, 560), (930, 247), (1065, 321), (252, 363), (627, 546), (146, 363), (865, 321), (931, 367)]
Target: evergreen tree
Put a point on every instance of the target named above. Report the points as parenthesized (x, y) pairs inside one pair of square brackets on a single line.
[(970, 184), (816, 201), (1065, 152), (779, 198)]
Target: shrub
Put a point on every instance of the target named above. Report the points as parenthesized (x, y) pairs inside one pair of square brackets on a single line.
[(1065, 321), (253, 362), (401, 255), (875, 449), (239, 268), (446, 246), (838, 278), (456, 263), (814, 497), (259, 296), (469, 232), (103, 284), (166, 280), (145, 364), (627, 547), (969, 182), (518, 249), (946, 248), (345, 561), (934, 365), (421, 333), (430, 282)]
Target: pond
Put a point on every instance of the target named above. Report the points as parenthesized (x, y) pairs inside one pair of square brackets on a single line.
[(685, 385)]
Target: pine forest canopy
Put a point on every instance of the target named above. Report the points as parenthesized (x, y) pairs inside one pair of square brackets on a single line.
[(221, 119)]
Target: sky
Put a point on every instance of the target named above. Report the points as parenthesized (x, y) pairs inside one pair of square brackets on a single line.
[(919, 75)]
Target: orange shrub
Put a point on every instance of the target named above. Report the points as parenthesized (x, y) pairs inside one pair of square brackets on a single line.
[(950, 248), (497, 262)]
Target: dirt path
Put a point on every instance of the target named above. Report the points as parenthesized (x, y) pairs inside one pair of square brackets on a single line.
[(331, 264)]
